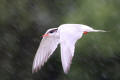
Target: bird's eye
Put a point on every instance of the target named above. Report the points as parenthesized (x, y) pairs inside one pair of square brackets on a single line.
[(51, 31)]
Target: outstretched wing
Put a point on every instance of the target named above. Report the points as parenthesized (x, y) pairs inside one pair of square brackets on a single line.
[(69, 34), (67, 53), (46, 48)]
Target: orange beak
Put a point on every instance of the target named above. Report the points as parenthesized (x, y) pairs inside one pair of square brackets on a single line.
[(45, 35), (85, 32)]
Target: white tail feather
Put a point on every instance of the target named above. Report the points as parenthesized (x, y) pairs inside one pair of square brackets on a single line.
[(99, 31)]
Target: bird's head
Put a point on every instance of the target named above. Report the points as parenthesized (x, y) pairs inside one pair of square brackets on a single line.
[(51, 32)]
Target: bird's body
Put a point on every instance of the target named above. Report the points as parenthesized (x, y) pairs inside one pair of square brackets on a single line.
[(66, 35)]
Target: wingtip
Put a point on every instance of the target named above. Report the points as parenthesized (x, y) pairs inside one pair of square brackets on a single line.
[(34, 70), (66, 70)]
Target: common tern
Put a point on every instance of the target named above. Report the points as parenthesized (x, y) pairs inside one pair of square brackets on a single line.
[(66, 35)]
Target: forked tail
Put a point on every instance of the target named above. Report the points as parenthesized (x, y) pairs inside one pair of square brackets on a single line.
[(99, 31)]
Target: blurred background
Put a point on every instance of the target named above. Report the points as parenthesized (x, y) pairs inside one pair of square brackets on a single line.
[(22, 22)]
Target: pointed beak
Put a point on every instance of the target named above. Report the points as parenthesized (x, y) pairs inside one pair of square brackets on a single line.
[(44, 35)]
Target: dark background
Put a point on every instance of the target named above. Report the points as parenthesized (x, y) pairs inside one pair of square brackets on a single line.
[(22, 22)]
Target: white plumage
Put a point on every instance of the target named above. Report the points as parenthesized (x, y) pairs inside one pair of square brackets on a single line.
[(66, 35)]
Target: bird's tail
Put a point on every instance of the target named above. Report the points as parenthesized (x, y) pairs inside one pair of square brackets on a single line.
[(99, 31)]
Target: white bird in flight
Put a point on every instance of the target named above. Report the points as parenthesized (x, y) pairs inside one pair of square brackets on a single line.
[(66, 35)]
